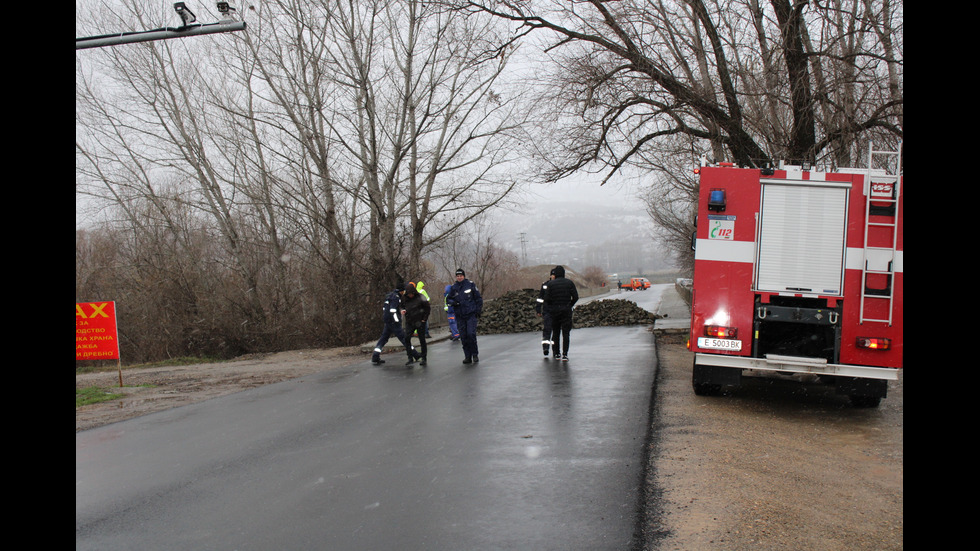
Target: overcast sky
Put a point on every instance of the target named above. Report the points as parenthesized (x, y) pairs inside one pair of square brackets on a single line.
[(585, 188)]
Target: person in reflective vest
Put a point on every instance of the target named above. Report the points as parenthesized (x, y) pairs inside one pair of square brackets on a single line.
[(419, 287), (416, 312)]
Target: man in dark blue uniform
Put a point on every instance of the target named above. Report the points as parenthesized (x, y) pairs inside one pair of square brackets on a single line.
[(467, 303), (393, 325)]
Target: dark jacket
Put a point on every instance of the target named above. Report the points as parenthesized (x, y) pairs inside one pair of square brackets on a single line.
[(393, 307), (416, 308), (539, 306), (465, 299), (561, 292)]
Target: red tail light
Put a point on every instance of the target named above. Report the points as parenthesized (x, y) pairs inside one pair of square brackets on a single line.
[(874, 343), (720, 332)]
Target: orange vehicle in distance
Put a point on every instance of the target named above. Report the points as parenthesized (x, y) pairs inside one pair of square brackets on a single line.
[(636, 284)]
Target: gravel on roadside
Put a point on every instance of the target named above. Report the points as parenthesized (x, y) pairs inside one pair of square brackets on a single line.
[(772, 465)]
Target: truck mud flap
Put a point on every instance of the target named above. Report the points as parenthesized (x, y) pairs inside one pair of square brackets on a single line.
[(871, 388), (716, 375)]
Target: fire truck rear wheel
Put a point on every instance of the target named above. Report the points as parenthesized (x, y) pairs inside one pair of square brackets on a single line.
[(708, 380), (863, 393), (705, 389), (865, 401)]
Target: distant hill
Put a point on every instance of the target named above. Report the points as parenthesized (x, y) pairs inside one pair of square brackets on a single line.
[(615, 238)]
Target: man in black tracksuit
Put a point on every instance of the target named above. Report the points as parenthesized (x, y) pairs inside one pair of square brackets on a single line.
[(559, 298)]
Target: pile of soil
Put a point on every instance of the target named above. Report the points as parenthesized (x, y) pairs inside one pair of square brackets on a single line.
[(514, 313), (610, 312)]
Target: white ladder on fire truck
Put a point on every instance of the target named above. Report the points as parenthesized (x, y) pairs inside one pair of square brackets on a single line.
[(878, 259)]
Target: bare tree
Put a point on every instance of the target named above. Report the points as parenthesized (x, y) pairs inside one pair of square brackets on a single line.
[(465, 121), (476, 252), (394, 106), (593, 276), (659, 84), (156, 119), (626, 64), (324, 149)]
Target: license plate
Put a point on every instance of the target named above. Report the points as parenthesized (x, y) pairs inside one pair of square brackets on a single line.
[(719, 344)]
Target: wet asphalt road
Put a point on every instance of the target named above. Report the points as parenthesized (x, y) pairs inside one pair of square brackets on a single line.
[(516, 452)]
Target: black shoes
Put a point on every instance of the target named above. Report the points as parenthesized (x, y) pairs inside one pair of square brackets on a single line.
[(467, 360), (411, 360), (564, 357)]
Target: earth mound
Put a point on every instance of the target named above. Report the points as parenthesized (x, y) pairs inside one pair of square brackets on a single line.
[(514, 313)]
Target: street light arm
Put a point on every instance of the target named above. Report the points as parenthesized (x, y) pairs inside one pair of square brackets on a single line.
[(158, 34)]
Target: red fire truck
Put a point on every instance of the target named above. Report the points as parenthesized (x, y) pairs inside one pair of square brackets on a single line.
[(798, 272)]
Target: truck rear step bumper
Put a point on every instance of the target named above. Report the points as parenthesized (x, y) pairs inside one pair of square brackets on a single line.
[(794, 364)]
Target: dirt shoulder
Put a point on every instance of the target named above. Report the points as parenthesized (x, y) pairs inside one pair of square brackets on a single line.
[(772, 465), (154, 389)]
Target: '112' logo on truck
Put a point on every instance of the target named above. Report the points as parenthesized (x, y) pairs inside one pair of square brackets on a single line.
[(721, 227)]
